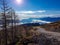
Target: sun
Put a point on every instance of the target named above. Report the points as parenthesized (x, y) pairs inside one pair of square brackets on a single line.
[(19, 1)]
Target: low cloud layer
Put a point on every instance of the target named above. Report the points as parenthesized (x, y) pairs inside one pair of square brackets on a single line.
[(36, 21), (38, 14)]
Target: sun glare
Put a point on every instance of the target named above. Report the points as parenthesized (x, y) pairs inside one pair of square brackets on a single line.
[(19, 1)]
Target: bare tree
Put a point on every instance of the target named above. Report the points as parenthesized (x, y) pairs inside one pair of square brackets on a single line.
[(0, 38), (14, 19), (4, 9), (12, 13)]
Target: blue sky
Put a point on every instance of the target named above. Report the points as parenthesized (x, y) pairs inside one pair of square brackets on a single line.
[(37, 5), (36, 9)]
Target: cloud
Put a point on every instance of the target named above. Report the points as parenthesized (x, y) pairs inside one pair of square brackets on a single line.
[(21, 23), (27, 12), (37, 14), (38, 21), (26, 16), (41, 11), (31, 12)]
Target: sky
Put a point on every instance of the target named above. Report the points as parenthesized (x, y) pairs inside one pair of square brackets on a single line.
[(36, 9), (36, 5)]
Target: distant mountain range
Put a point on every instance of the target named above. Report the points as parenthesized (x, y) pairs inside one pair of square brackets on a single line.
[(31, 24), (53, 19), (42, 20), (36, 20)]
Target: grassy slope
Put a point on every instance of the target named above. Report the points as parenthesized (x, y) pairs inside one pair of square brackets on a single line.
[(55, 26)]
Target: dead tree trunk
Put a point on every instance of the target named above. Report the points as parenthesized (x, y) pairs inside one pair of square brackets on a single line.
[(4, 8)]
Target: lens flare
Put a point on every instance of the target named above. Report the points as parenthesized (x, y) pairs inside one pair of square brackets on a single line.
[(19, 1)]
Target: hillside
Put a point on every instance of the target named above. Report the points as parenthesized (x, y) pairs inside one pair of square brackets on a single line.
[(45, 36), (55, 26), (47, 32)]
